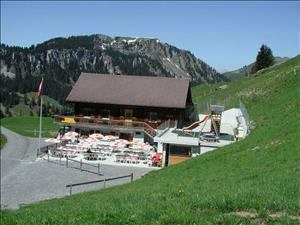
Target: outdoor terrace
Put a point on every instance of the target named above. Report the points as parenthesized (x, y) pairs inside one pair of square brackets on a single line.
[(148, 127)]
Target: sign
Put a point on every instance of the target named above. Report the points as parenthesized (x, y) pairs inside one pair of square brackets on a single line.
[(68, 120)]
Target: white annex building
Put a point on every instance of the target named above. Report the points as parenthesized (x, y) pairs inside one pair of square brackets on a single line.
[(220, 128)]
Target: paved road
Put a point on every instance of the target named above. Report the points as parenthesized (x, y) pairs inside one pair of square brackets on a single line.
[(17, 149), (26, 180)]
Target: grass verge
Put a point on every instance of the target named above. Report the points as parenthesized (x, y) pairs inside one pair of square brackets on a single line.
[(3, 141)]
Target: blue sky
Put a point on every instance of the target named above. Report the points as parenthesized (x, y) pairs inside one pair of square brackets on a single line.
[(226, 35)]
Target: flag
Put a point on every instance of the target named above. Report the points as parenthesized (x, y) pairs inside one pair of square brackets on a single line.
[(40, 88)]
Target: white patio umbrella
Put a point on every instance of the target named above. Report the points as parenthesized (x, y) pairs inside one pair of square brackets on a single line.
[(52, 140), (69, 135), (96, 135), (85, 145), (123, 141), (110, 137)]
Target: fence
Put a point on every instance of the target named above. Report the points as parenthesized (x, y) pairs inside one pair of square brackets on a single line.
[(80, 163), (204, 107), (98, 181), (45, 149), (246, 115), (165, 125)]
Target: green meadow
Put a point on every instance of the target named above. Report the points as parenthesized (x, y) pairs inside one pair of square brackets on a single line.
[(29, 125), (254, 181)]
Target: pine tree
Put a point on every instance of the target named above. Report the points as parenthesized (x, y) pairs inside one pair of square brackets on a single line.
[(32, 102), (2, 115), (25, 99), (49, 109), (7, 112), (264, 59)]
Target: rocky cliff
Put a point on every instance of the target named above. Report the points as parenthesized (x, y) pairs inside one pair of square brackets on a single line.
[(60, 61)]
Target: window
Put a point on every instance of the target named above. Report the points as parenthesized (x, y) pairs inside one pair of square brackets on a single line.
[(105, 113), (169, 116), (153, 116), (128, 113), (87, 111)]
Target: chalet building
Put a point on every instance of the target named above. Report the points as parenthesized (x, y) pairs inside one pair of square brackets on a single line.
[(133, 107), (152, 109)]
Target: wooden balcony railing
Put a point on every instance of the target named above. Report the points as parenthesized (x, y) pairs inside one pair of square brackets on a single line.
[(106, 122)]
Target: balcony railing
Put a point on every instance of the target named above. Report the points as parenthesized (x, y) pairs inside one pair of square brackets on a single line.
[(107, 122)]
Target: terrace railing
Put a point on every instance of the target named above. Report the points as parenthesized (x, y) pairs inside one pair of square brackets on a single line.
[(106, 122), (162, 128)]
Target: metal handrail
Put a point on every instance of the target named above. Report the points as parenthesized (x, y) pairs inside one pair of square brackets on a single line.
[(98, 181), (80, 163), (73, 160), (44, 150)]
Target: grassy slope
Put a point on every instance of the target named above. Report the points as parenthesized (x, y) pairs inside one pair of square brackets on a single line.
[(3, 141), (244, 71), (21, 110), (24, 110), (259, 174), (29, 126), (46, 99)]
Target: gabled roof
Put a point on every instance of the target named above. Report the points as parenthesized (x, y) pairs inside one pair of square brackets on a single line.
[(130, 90)]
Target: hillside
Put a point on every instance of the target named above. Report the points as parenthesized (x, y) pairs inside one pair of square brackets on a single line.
[(61, 60), (255, 181), (28, 105), (245, 71)]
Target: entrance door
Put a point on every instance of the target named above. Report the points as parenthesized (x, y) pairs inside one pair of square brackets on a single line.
[(128, 113)]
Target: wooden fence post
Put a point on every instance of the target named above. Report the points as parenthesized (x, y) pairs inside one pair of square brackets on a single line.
[(67, 161), (131, 177), (80, 164), (99, 168)]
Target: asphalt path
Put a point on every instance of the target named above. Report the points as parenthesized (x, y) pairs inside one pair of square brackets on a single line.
[(26, 179), (17, 149)]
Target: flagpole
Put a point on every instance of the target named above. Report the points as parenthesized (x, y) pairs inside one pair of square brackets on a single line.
[(40, 133), (41, 113)]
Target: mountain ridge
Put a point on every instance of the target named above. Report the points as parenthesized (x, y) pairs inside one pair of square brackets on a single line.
[(61, 60)]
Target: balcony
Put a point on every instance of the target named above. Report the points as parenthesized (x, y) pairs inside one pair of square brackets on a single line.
[(149, 127)]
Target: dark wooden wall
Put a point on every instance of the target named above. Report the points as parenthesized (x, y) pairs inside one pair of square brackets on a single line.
[(88, 109)]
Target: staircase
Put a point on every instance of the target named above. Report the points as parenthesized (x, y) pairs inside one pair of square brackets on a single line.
[(216, 113), (149, 131), (215, 126)]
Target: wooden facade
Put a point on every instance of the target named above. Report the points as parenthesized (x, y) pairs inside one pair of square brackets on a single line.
[(152, 115), (151, 100)]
